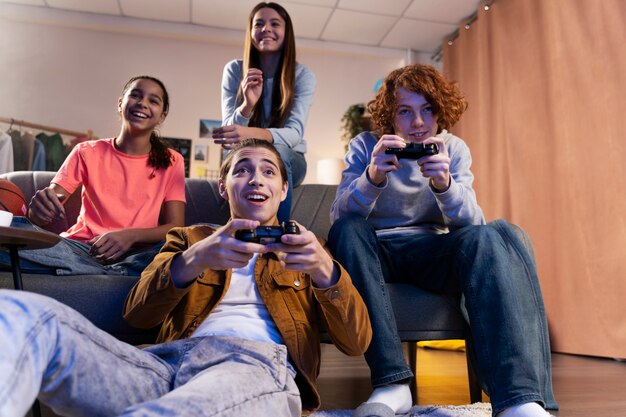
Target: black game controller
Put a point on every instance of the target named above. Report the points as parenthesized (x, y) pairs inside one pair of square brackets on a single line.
[(268, 234), (414, 150)]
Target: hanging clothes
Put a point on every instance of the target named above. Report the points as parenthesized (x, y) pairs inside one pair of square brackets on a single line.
[(55, 150), (39, 156), (29, 140), (22, 150), (6, 153), (43, 152)]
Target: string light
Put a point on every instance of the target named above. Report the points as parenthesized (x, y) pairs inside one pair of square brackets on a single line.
[(453, 37), (470, 20)]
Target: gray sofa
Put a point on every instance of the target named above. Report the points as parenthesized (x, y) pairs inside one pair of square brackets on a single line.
[(420, 315)]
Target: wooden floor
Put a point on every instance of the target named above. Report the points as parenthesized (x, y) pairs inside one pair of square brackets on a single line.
[(584, 386)]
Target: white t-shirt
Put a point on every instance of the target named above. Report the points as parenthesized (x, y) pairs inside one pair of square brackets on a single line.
[(241, 312)]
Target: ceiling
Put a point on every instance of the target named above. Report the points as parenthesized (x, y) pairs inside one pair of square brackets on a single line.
[(418, 25)]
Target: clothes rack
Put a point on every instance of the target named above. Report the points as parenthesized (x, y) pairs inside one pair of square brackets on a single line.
[(89, 133)]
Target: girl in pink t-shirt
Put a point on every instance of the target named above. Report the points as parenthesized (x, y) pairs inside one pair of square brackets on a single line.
[(133, 184)]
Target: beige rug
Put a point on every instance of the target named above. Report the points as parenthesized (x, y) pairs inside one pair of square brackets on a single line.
[(471, 410)]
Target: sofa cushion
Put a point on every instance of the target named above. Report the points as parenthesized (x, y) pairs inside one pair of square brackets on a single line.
[(100, 298), (204, 203), (311, 207)]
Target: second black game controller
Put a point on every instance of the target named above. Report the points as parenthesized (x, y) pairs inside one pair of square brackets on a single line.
[(414, 150)]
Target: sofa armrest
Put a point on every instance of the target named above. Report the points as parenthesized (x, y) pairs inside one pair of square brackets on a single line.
[(32, 181), (204, 203)]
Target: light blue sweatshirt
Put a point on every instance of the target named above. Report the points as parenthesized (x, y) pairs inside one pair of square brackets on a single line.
[(406, 204), (292, 134)]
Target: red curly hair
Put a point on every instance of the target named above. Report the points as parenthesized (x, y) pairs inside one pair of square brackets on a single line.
[(445, 98)]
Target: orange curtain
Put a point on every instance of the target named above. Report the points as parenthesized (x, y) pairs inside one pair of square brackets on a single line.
[(545, 81)]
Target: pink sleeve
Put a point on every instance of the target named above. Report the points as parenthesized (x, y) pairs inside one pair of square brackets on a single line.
[(73, 171)]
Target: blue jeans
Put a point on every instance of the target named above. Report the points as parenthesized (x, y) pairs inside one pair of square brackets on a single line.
[(48, 350), (296, 171), (71, 257), (490, 266)]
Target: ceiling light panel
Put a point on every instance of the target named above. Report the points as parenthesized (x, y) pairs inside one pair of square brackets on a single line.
[(387, 7), (308, 21), (357, 28), (165, 10), (320, 3), (221, 13), (442, 11), (417, 35), (27, 2), (92, 6)]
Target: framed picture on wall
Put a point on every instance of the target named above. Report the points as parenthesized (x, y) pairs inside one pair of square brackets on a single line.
[(201, 153), (207, 126), (182, 146)]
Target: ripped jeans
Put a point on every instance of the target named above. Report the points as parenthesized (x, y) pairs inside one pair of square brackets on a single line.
[(49, 351), (491, 266)]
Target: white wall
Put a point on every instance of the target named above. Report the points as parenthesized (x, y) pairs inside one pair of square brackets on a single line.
[(66, 69)]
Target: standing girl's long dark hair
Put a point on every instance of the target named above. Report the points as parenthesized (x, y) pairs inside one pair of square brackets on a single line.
[(285, 77), (159, 157)]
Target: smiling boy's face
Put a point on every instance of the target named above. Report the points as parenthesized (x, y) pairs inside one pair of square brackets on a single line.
[(254, 186), (414, 120)]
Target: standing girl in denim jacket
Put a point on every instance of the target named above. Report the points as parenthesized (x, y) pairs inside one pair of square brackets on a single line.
[(268, 94)]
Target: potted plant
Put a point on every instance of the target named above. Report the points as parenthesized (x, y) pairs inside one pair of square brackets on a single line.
[(354, 121)]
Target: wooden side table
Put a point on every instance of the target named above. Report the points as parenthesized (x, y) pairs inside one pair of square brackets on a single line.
[(15, 238)]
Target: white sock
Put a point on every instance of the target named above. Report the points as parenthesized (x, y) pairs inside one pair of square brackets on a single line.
[(395, 396), (531, 409)]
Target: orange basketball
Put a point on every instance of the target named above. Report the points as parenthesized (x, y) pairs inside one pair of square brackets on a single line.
[(12, 199)]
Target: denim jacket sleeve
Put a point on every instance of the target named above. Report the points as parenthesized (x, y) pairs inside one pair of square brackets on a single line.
[(231, 78), (292, 134)]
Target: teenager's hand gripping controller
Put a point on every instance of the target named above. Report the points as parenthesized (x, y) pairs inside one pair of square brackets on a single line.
[(268, 234), (414, 150)]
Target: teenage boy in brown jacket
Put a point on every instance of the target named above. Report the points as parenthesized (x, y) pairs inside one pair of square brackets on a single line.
[(239, 320)]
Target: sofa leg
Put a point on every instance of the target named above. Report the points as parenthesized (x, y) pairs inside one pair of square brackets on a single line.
[(413, 365), (475, 390), (36, 410)]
